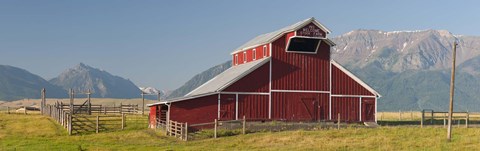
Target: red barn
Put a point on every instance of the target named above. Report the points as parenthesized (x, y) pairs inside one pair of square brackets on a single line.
[(284, 75)]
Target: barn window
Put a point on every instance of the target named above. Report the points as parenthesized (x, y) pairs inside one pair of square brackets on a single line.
[(264, 51), (236, 59), (303, 45), (254, 55), (244, 56)]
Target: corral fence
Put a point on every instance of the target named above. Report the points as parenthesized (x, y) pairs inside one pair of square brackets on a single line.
[(83, 123), (87, 118), (431, 117)]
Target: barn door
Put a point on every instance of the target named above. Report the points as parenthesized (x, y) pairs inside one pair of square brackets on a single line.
[(305, 109), (227, 107), (368, 109)]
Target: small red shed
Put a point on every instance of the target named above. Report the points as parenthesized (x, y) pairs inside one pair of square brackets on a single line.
[(284, 75)]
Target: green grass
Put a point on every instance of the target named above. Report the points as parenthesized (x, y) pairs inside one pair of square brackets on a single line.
[(36, 132)]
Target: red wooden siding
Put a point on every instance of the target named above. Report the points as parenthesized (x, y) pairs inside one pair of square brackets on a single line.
[(256, 81), (368, 109), (300, 106), (254, 107), (227, 107), (348, 107), (311, 30), (258, 51), (287, 37), (345, 85), (300, 71), (194, 111), (152, 116)]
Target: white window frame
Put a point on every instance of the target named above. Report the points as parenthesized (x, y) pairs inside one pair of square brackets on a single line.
[(264, 50), (254, 55), (245, 57), (236, 59), (288, 44)]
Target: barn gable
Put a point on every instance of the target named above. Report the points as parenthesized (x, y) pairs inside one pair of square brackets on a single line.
[(272, 36), (346, 83)]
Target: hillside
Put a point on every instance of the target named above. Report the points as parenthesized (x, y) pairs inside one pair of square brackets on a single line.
[(16, 83), (101, 83)]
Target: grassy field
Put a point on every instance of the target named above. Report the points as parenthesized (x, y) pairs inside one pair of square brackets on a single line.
[(36, 132)]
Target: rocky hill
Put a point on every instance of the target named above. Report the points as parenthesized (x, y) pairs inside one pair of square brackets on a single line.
[(101, 83)]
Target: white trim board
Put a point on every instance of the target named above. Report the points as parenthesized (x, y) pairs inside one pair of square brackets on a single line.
[(351, 96), (300, 91), (246, 93), (270, 84)]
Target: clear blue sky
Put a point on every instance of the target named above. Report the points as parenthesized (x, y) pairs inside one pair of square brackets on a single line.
[(164, 43)]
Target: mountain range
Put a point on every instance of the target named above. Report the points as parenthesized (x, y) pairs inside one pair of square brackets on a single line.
[(411, 69), (16, 83)]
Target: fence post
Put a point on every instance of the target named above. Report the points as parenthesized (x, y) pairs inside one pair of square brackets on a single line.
[(105, 110), (181, 131), (123, 121), (215, 129), (444, 120), (96, 128), (63, 119), (411, 115), (431, 118), (338, 121), (25, 111), (423, 117), (167, 127), (186, 131), (400, 115), (244, 125), (69, 124), (467, 119), (8, 110)]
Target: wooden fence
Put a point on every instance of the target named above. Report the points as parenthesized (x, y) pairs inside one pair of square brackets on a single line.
[(83, 123), (181, 130), (432, 117), (177, 130)]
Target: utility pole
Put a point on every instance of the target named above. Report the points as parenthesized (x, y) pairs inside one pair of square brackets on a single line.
[(452, 89)]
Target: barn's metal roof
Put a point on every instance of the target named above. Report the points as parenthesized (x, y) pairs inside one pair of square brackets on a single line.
[(272, 36), (228, 77), (221, 81)]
